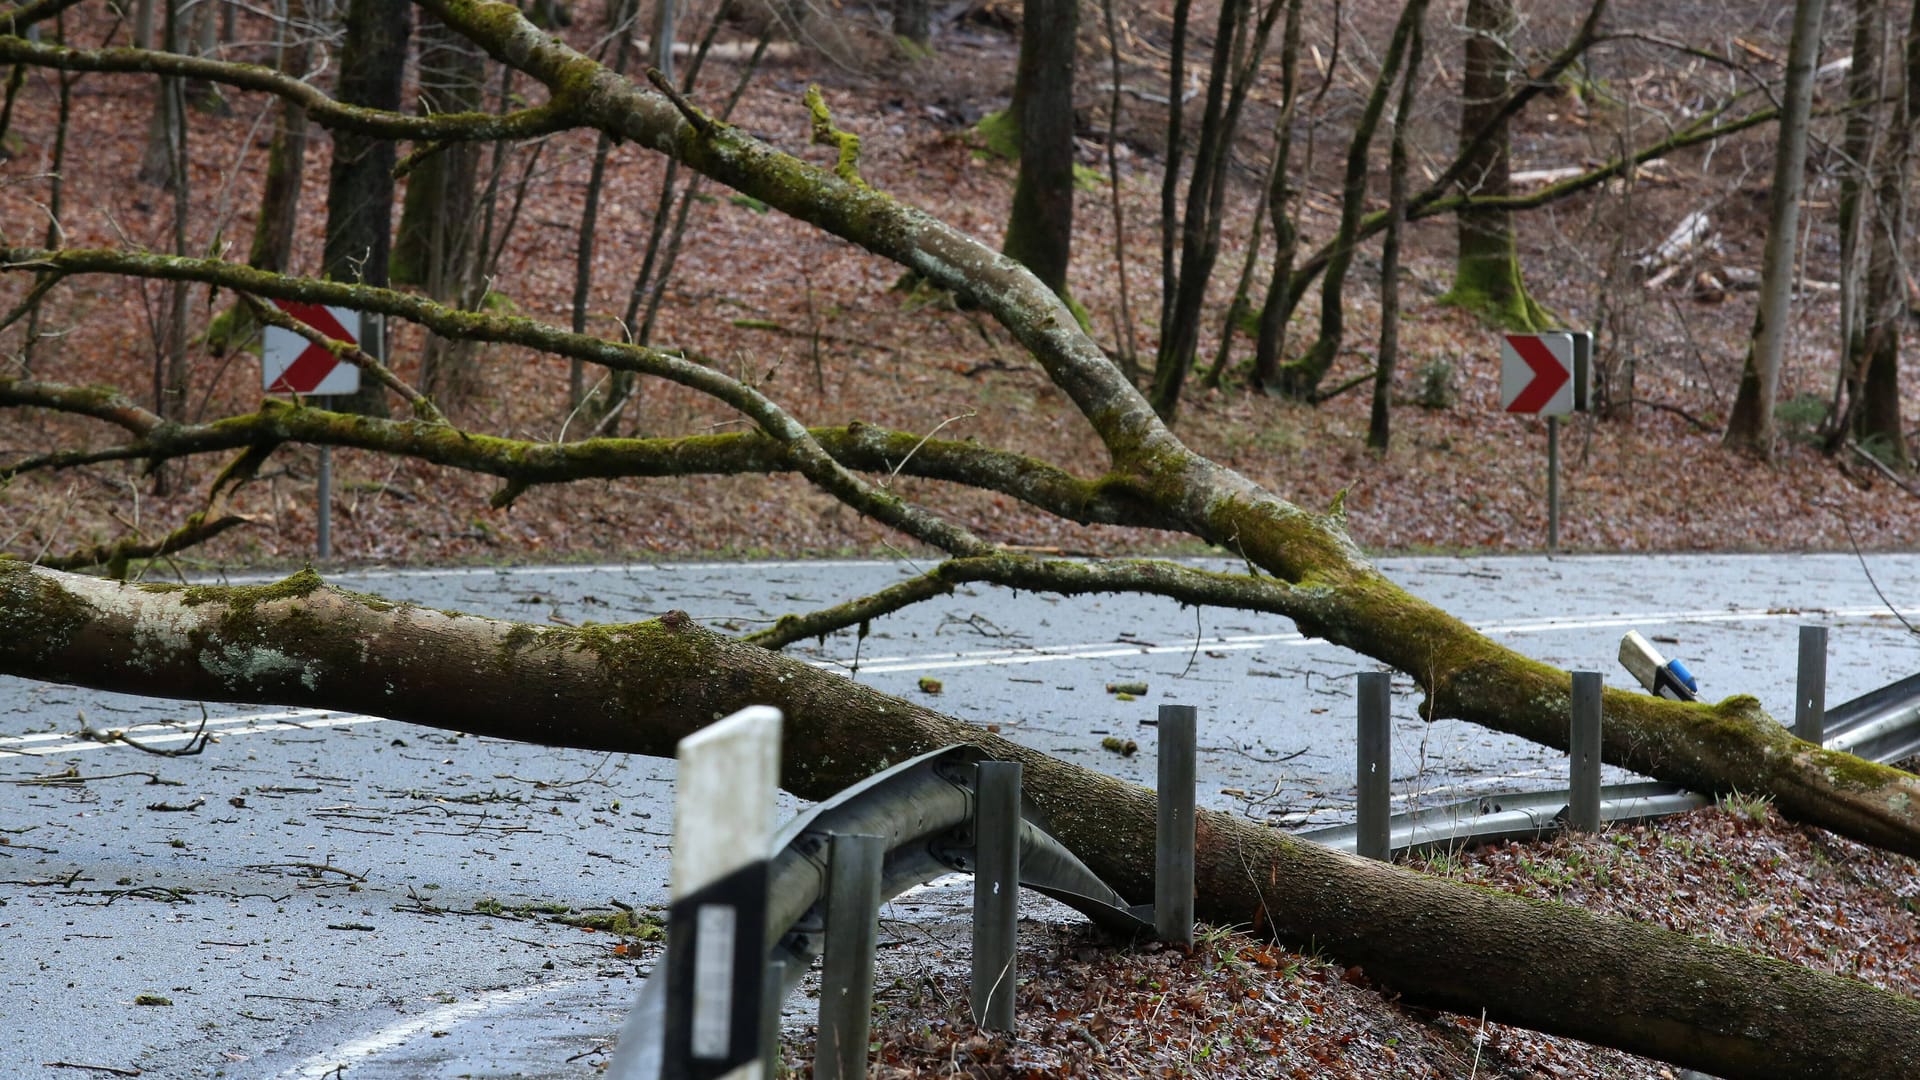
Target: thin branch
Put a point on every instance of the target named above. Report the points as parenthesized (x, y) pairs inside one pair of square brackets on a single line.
[(1186, 584), (555, 115)]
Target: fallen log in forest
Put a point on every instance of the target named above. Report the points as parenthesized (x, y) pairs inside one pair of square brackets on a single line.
[(639, 688)]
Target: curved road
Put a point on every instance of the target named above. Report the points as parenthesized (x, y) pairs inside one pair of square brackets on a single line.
[(320, 890)]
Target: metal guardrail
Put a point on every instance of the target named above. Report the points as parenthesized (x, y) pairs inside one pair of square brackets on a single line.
[(924, 818), (957, 810), (1881, 725)]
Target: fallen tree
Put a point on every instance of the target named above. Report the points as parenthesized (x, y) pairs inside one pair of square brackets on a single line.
[(640, 687)]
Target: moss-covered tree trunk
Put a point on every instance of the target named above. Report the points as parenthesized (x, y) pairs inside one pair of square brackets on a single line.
[(639, 688), (1040, 227), (1486, 275), (360, 181)]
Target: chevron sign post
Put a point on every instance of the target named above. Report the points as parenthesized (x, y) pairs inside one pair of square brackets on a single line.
[(1547, 374), (290, 364)]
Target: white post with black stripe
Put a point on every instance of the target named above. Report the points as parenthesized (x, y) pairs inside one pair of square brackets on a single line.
[(723, 826)]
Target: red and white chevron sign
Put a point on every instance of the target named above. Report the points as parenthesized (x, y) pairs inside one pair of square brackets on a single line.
[(293, 365), (1536, 373)]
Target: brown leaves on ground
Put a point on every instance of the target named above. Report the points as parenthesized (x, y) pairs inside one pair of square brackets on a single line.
[(1236, 1006)]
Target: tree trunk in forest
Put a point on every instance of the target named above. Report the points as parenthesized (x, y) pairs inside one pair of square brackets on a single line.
[(273, 229), (639, 688), (1301, 378), (1275, 312), (1239, 44), (155, 158), (913, 21), (1858, 168), (1750, 427), (360, 183), (1486, 277), (619, 16), (1380, 422), (436, 240), (1875, 412), (1040, 227)]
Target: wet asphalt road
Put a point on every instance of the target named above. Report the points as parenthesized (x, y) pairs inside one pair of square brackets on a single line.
[(318, 890)]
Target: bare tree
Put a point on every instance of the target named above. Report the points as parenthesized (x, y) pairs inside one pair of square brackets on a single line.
[(1750, 427)]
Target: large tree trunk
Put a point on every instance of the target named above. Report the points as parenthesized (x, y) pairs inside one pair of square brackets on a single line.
[(1040, 227), (360, 183), (641, 687), (1486, 276), (1750, 426)]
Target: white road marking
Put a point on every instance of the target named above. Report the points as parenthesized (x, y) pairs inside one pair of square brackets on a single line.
[(340, 1059), (1041, 654)]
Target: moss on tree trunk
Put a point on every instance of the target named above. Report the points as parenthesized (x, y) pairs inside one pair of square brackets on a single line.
[(639, 688)]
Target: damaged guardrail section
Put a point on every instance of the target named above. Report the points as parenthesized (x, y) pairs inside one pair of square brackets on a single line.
[(741, 932), (743, 929)]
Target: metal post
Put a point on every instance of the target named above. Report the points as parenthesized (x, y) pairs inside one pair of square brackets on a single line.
[(1173, 845), (1810, 688), (323, 522), (1553, 483), (996, 896), (846, 971), (774, 993), (1583, 754), (717, 925), (1372, 838)]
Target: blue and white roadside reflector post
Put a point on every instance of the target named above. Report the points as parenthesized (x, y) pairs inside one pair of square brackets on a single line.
[(723, 825), (1660, 676)]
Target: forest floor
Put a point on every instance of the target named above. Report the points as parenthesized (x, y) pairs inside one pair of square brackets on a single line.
[(815, 323)]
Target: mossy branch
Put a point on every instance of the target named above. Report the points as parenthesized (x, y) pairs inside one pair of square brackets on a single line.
[(845, 143), (1157, 577), (554, 115)]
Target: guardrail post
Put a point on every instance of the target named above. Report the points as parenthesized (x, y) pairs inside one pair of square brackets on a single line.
[(996, 892), (1372, 837), (846, 969), (717, 925), (775, 993), (1583, 754), (1173, 846), (1810, 686)]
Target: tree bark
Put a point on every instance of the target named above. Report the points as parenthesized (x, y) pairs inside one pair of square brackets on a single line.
[(1380, 421), (1875, 409), (640, 687), (1040, 227), (1750, 427), (1487, 268), (1301, 378), (1276, 311), (273, 229), (360, 182)]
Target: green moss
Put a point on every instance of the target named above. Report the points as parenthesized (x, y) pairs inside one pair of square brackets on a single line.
[(846, 143), (1000, 134), (1489, 285), (638, 925), (37, 617)]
